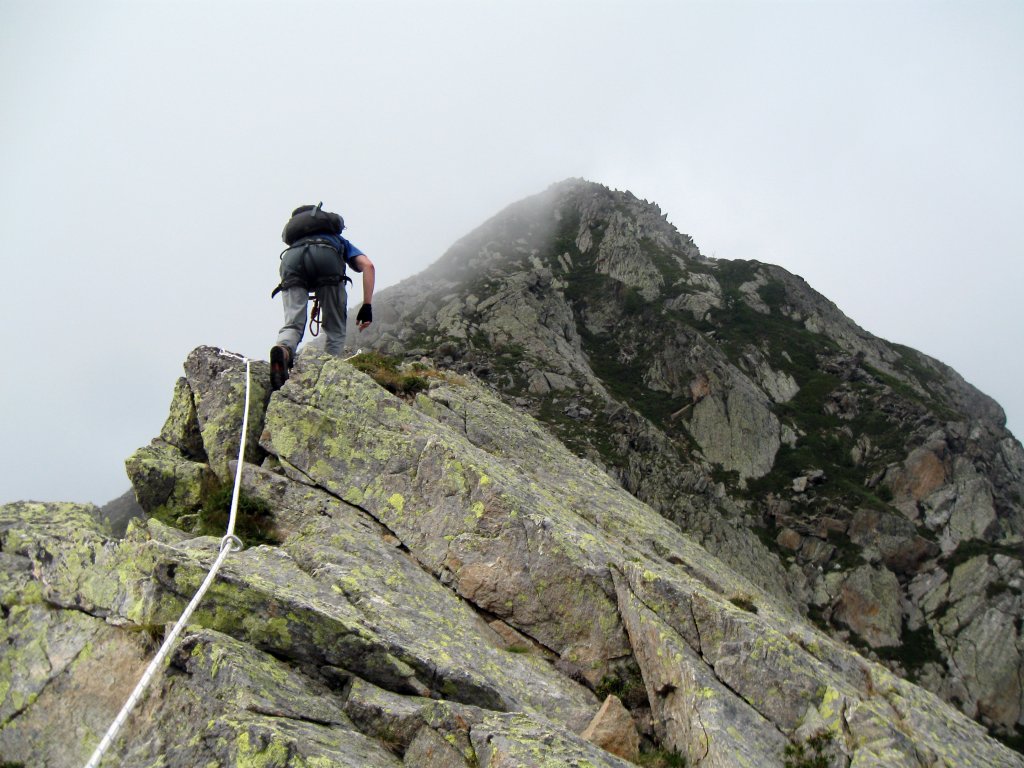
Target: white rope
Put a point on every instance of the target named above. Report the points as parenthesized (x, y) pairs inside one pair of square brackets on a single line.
[(238, 464), (229, 544)]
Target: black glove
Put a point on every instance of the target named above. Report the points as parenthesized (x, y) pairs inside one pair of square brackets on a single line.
[(365, 314)]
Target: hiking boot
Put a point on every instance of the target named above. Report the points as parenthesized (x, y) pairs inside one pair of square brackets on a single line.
[(280, 362)]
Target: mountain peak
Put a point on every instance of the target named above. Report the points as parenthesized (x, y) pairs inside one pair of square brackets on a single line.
[(575, 213), (812, 456)]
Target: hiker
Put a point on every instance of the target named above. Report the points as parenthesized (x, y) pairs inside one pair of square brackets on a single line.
[(315, 260)]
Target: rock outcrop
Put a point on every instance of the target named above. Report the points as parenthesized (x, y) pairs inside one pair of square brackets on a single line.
[(443, 584), (851, 477)]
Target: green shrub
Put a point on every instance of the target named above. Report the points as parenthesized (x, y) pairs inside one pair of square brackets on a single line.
[(812, 753), (916, 648), (610, 685), (630, 689), (386, 372), (967, 550), (662, 758), (254, 523), (744, 603)]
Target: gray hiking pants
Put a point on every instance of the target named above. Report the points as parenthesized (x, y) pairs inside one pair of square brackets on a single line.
[(333, 313)]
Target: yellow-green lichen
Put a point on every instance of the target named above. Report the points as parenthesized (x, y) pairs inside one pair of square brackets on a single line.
[(827, 707), (253, 755)]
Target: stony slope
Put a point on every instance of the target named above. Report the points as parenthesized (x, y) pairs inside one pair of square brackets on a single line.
[(444, 584), (865, 484)]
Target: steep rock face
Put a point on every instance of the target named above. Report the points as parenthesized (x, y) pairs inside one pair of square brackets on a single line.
[(449, 586), (744, 406), (737, 431)]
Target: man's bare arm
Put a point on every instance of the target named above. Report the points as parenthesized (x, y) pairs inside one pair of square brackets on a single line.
[(364, 266)]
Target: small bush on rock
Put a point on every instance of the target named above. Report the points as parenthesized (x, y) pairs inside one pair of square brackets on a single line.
[(815, 752), (386, 372), (662, 758)]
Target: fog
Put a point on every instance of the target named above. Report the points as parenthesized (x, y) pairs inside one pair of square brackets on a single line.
[(151, 152)]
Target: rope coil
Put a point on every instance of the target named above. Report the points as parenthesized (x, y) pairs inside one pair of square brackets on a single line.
[(315, 320), (228, 545)]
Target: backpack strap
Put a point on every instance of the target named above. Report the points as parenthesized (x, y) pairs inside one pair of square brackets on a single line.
[(312, 240)]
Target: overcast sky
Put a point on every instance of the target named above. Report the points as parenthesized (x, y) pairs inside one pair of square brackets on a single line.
[(150, 152)]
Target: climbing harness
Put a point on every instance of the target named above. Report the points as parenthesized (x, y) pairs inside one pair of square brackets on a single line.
[(228, 545), (304, 271)]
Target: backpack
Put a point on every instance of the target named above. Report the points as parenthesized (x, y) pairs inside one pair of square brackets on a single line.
[(302, 231), (309, 220)]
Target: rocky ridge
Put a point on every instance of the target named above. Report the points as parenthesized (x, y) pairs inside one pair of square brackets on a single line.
[(443, 584), (866, 485)]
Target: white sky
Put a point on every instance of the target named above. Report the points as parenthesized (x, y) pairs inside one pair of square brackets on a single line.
[(150, 152)]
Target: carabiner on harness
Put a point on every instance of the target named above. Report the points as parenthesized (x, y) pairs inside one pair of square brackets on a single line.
[(314, 317)]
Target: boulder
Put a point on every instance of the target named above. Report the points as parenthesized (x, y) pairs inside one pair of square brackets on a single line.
[(736, 428), (901, 547), (869, 604), (613, 730)]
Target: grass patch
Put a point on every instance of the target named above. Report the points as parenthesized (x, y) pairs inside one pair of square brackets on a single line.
[(254, 523), (773, 294), (630, 689), (826, 445), (594, 432), (744, 603), (848, 555), (930, 402), (664, 260), (732, 273), (387, 372), (729, 477), (967, 550), (916, 648), (624, 378), (814, 752), (914, 362), (790, 347)]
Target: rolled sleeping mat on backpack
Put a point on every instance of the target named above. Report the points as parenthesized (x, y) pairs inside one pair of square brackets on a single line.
[(309, 220)]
